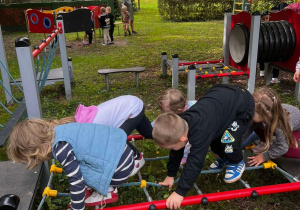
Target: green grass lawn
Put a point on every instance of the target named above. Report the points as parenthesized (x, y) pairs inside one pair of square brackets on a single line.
[(191, 41)]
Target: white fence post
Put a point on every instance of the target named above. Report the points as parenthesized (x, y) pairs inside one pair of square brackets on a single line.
[(227, 26)]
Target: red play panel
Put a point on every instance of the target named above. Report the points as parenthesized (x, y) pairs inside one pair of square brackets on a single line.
[(39, 22)]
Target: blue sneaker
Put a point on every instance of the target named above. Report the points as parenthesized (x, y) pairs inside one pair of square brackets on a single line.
[(218, 164), (234, 172)]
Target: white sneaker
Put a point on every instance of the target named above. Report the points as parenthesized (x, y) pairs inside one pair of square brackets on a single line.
[(104, 44), (275, 81), (262, 73), (138, 164), (98, 199), (85, 42)]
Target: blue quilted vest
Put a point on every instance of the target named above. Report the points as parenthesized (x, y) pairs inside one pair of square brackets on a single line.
[(98, 149)]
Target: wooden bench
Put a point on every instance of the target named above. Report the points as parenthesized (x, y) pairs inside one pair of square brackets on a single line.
[(136, 70)]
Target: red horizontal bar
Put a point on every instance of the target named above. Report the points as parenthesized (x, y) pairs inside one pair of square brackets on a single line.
[(222, 75), (44, 44), (199, 62), (220, 196), (135, 137)]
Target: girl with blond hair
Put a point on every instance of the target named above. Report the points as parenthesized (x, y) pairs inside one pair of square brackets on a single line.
[(274, 124)]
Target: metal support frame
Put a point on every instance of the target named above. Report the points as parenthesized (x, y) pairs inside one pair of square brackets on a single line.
[(191, 80), (4, 74), (175, 68), (227, 29), (27, 71), (137, 79), (268, 73), (70, 65), (30, 88), (253, 47), (297, 91), (164, 67), (64, 57)]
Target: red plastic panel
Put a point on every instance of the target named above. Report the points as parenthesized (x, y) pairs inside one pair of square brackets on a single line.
[(244, 18), (39, 22), (293, 18), (96, 14)]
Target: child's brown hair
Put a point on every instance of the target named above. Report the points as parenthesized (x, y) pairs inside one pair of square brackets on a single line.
[(172, 100), (168, 129), (268, 106), (30, 141)]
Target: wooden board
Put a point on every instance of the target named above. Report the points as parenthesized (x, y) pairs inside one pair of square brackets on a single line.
[(109, 71)]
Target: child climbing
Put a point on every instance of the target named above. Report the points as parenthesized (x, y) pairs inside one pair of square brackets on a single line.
[(218, 119), (274, 124), (174, 101), (90, 154)]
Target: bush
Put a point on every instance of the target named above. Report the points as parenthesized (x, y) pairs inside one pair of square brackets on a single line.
[(193, 10), (266, 5)]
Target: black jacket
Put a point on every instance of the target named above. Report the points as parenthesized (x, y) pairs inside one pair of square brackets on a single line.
[(104, 21), (207, 120)]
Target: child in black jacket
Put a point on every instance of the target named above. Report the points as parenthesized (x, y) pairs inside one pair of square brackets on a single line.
[(105, 25), (112, 25), (219, 120)]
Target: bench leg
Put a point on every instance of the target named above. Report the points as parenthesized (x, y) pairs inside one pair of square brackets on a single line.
[(107, 82), (137, 79)]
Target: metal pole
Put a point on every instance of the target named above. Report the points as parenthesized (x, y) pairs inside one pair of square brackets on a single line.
[(191, 83), (253, 46), (175, 62), (227, 27), (70, 65), (164, 58), (64, 57), (4, 74), (27, 71)]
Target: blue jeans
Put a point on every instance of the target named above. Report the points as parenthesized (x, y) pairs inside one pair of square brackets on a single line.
[(249, 140)]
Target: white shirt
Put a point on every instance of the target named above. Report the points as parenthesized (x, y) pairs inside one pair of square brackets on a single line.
[(117, 110)]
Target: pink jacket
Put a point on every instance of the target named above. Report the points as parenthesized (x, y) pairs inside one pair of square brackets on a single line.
[(295, 7), (85, 114)]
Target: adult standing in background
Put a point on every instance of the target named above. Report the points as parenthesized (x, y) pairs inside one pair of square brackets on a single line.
[(129, 6), (282, 5)]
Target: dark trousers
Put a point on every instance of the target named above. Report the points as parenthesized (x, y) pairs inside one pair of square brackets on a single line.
[(90, 35), (275, 72), (229, 144), (142, 124), (111, 32)]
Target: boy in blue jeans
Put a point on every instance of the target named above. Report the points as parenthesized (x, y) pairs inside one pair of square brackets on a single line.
[(219, 120)]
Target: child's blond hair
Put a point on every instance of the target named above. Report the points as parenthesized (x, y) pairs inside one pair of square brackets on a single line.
[(124, 8), (268, 107), (30, 141), (168, 129), (108, 8), (102, 10), (172, 100)]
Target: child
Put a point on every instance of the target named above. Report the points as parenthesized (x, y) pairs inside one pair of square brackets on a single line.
[(282, 5), (248, 6), (112, 25), (295, 7), (297, 72), (265, 17), (125, 20), (105, 25), (218, 119), (90, 154), (272, 119), (174, 101)]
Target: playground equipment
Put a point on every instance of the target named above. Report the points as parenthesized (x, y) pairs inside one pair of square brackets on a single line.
[(238, 6), (276, 42), (201, 198)]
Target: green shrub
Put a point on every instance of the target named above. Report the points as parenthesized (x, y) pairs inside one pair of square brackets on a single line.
[(266, 5), (117, 6), (193, 10)]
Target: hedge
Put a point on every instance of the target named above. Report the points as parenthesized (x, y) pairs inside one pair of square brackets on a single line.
[(196, 10), (193, 10)]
